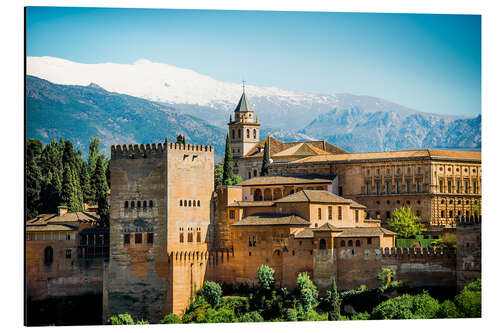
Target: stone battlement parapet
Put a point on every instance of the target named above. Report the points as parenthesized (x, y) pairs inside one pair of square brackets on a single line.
[(211, 257), (144, 150), (350, 253)]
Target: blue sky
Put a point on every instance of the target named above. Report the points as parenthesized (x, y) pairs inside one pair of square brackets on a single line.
[(430, 63)]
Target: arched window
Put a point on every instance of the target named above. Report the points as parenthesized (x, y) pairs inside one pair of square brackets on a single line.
[(181, 237), (239, 133), (48, 255), (150, 203), (233, 134), (144, 204), (198, 203), (180, 203), (255, 134), (132, 204), (185, 203), (322, 244), (257, 195), (126, 204), (358, 243), (255, 173), (340, 212), (189, 203), (138, 204), (342, 243), (349, 243), (248, 133)]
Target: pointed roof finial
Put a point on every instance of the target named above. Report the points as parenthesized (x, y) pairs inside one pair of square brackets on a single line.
[(243, 85)]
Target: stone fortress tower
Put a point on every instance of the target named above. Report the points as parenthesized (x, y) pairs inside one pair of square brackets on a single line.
[(159, 222)]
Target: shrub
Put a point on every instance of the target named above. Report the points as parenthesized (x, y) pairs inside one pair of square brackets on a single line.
[(407, 306), (266, 277), (221, 315), (291, 315), (120, 319), (238, 304), (251, 317), (447, 309), (361, 316), (333, 302), (211, 292), (469, 300), (142, 322), (314, 316), (171, 318), (385, 276)]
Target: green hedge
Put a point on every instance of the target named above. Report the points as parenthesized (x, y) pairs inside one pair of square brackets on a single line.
[(408, 242)]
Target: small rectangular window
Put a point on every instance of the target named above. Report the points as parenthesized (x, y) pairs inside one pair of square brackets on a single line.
[(356, 215), (369, 241), (68, 254), (319, 213), (339, 212), (198, 236), (126, 239), (138, 238), (150, 237), (330, 212), (231, 214)]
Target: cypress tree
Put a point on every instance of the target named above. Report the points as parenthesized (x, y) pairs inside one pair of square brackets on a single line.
[(101, 186), (266, 160), (85, 183), (33, 177), (93, 154), (334, 301), (227, 174), (69, 195)]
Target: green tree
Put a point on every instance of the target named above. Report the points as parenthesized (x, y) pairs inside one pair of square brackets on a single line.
[(468, 301), (211, 292), (69, 191), (33, 177), (85, 183), (334, 301), (266, 278), (407, 306), (385, 277), (265, 160), (307, 292), (171, 318), (100, 185), (218, 174), (120, 319), (447, 309), (227, 173), (93, 154), (404, 223)]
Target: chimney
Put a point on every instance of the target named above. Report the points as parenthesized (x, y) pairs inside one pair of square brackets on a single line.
[(62, 210)]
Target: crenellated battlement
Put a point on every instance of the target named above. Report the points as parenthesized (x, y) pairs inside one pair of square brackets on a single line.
[(144, 150), (212, 258), (353, 253)]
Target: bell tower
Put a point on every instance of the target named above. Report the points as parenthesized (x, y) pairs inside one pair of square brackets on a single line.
[(244, 130)]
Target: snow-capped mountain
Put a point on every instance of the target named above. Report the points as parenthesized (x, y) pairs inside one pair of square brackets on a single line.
[(190, 91), (354, 123)]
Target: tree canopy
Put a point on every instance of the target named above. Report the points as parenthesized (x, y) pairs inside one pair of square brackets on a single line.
[(404, 223)]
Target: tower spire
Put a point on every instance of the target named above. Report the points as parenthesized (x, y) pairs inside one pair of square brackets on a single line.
[(243, 85)]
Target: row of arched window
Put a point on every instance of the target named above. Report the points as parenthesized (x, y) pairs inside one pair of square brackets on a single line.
[(189, 203), (351, 243), (190, 234), (233, 136), (143, 204)]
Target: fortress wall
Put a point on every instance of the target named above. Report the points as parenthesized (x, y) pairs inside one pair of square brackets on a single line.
[(65, 276), (354, 267)]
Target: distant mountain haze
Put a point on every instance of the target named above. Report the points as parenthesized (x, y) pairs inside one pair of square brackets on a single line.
[(118, 102)]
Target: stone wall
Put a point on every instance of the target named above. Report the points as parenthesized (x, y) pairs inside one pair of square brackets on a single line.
[(354, 267), (64, 276), (468, 253)]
